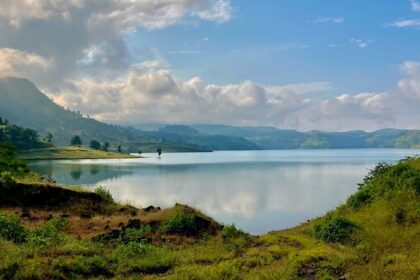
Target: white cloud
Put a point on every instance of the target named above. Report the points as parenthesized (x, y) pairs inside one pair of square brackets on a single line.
[(415, 6), (17, 12), (406, 23), (142, 96), (88, 37), (329, 20), (185, 52), (17, 63), (361, 43)]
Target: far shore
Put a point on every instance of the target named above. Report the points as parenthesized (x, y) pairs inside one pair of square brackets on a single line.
[(63, 153)]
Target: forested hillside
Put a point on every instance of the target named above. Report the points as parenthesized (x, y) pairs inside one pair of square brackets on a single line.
[(22, 103), (21, 138)]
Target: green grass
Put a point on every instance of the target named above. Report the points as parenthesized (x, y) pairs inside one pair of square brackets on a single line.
[(70, 153)]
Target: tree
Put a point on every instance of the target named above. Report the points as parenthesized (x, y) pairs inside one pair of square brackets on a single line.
[(105, 146), (140, 152), (49, 137), (119, 149), (76, 141), (95, 145), (159, 151)]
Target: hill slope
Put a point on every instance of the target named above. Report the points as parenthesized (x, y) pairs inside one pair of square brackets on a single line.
[(25, 105), (273, 138)]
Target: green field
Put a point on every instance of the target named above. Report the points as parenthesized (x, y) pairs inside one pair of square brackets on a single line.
[(69, 153)]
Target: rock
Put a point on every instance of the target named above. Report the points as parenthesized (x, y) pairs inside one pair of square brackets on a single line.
[(26, 214), (107, 227), (65, 215), (121, 224), (151, 208), (85, 215), (134, 223), (134, 213)]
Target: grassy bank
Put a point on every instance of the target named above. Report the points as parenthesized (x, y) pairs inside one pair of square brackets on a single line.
[(50, 233), (70, 153)]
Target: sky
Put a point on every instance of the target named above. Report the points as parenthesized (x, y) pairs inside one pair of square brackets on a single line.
[(296, 64)]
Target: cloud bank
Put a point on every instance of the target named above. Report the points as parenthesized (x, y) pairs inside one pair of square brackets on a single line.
[(76, 51), (143, 96)]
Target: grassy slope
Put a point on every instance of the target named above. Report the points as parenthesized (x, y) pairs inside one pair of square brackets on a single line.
[(382, 247), (70, 153)]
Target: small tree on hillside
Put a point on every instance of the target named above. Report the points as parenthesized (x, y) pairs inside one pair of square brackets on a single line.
[(105, 146), (76, 141), (49, 137), (119, 149), (95, 145)]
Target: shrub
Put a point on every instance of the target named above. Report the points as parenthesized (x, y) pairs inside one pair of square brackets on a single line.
[(384, 181), (362, 197), (230, 231), (87, 267), (7, 179), (137, 234), (104, 194), (11, 229), (338, 229), (50, 233), (9, 271), (131, 250), (181, 221)]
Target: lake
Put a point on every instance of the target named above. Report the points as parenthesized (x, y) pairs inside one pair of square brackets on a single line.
[(258, 191)]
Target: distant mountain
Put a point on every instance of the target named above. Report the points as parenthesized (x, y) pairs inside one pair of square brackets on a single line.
[(178, 133), (23, 104), (274, 138)]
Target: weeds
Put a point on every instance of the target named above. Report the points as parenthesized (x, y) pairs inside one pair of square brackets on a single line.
[(104, 194), (338, 229), (11, 229)]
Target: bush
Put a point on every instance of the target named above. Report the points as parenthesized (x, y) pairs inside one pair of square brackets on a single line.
[(181, 221), (50, 233), (230, 231), (362, 197), (131, 250), (137, 234), (384, 181), (7, 179), (84, 267), (11, 229), (338, 229), (104, 194)]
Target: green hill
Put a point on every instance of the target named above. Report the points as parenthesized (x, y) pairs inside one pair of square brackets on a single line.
[(21, 138), (22, 103), (273, 138)]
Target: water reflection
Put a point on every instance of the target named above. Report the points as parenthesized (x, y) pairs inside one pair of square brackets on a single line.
[(259, 191), (74, 173)]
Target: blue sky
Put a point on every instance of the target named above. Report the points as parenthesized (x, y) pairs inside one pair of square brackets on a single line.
[(281, 42), (295, 64)]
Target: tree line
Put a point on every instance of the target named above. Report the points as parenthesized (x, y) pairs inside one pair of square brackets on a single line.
[(76, 140), (22, 138)]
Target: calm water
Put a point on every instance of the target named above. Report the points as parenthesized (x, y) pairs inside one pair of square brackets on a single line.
[(259, 191)]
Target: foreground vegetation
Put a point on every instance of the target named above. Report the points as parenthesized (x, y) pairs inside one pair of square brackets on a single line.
[(71, 152), (47, 232)]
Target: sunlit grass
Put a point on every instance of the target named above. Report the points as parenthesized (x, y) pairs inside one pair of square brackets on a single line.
[(70, 153)]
